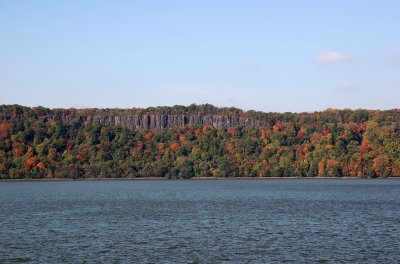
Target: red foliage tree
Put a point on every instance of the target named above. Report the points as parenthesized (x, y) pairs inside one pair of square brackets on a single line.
[(149, 136), (232, 131), (175, 146), (41, 166), (4, 129), (230, 148), (31, 162), (161, 146), (182, 138)]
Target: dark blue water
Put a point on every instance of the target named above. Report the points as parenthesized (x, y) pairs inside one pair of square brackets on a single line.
[(205, 221)]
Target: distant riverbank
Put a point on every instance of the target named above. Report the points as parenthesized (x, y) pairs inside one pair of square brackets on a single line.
[(194, 178)]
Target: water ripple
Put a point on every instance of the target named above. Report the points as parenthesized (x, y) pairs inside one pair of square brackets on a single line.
[(230, 221)]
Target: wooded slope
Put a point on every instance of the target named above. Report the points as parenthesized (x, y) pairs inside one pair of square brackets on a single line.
[(184, 142)]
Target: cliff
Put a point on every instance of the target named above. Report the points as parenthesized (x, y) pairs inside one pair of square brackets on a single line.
[(195, 115), (151, 122), (138, 119)]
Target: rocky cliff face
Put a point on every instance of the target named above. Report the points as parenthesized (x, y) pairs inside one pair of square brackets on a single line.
[(142, 119), (151, 122), (178, 116)]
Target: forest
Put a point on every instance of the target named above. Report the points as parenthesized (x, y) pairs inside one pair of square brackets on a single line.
[(38, 143)]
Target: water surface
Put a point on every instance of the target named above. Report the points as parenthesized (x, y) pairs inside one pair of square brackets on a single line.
[(204, 221)]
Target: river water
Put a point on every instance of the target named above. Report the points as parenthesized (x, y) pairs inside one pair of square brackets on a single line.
[(200, 221)]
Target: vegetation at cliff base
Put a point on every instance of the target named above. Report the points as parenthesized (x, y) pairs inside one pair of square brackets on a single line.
[(332, 143)]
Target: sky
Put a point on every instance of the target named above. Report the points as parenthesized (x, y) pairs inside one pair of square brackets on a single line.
[(280, 56)]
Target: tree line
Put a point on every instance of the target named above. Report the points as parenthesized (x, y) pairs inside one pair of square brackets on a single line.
[(331, 143)]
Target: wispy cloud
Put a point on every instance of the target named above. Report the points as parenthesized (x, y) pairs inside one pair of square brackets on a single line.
[(332, 57), (392, 58), (350, 86), (252, 66)]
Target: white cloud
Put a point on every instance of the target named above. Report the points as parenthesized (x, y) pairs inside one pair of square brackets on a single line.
[(331, 57), (252, 66), (391, 58), (350, 86)]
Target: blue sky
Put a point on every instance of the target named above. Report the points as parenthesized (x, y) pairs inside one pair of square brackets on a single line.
[(295, 55)]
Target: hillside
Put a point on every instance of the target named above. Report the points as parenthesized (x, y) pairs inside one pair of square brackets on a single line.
[(198, 140)]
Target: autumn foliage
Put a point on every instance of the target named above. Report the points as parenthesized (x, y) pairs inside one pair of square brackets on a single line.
[(334, 143), (175, 146)]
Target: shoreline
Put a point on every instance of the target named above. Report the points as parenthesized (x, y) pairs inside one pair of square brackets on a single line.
[(194, 178)]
